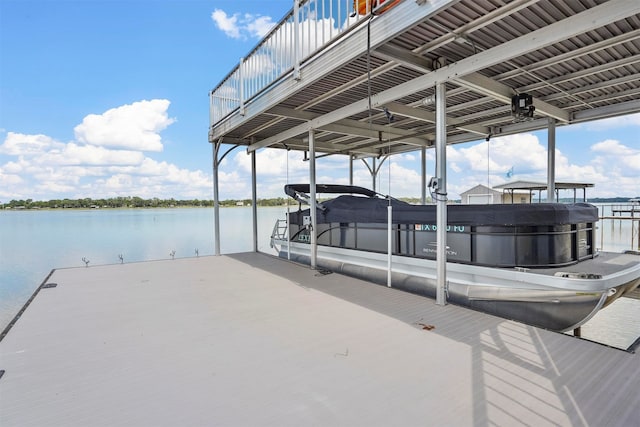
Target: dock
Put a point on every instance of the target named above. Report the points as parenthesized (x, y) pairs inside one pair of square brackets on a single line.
[(249, 339)]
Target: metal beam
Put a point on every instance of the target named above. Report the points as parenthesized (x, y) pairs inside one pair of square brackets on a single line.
[(430, 117), (606, 67), (479, 23), (603, 85), (385, 133), (621, 109), (628, 107), (364, 147), (354, 127), (503, 93), (474, 81), (595, 17), (405, 57), (572, 54)]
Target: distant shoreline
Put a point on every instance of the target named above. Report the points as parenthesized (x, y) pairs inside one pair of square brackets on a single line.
[(155, 203), (135, 208), (132, 203)]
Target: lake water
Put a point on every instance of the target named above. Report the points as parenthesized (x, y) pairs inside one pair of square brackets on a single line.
[(34, 242)]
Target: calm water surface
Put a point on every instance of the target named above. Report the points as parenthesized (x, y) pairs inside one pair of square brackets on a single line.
[(34, 242)]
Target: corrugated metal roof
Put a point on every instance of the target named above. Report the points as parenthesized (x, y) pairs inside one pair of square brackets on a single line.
[(580, 60), (527, 185)]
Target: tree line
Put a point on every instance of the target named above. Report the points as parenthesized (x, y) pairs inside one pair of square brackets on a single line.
[(138, 202), (131, 202)]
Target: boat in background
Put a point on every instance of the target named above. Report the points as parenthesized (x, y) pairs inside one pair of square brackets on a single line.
[(534, 263)]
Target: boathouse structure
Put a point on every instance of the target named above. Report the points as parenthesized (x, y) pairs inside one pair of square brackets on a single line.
[(413, 75), (246, 339)]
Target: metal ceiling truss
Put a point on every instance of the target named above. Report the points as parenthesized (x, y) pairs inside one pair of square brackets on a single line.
[(580, 61), (465, 72)]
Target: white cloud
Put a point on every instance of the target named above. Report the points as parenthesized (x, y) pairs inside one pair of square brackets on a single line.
[(18, 144), (74, 154), (9, 179), (258, 26), (618, 168), (228, 24), (257, 65), (54, 188), (611, 147), (95, 165), (315, 32), (118, 183), (50, 176), (609, 170), (403, 181), (273, 162), (239, 26), (629, 120), (14, 167), (136, 126), (487, 163)]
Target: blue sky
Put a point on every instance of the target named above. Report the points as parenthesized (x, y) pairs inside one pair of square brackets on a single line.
[(106, 98)]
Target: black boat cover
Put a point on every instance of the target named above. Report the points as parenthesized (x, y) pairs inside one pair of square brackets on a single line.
[(352, 209)]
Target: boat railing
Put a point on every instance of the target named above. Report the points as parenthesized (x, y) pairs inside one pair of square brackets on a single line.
[(309, 27)]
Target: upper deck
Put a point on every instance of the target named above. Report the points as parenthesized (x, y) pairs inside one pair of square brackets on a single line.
[(338, 73)]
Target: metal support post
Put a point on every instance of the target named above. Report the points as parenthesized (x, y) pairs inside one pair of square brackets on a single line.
[(216, 200), (254, 201), (350, 169), (374, 173), (423, 161), (441, 193), (312, 207), (551, 161), (389, 243)]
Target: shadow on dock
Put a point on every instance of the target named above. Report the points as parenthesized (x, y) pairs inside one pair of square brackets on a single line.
[(519, 372)]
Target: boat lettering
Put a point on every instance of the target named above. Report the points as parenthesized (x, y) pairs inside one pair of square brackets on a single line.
[(434, 251), (306, 238), (433, 227)]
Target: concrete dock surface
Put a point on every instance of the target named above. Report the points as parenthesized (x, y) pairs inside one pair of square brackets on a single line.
[(252, 340)]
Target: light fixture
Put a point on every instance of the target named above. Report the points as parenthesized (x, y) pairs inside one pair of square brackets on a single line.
[(522, 108)]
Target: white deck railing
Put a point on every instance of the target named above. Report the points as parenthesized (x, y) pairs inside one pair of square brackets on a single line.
[(307, 29)]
